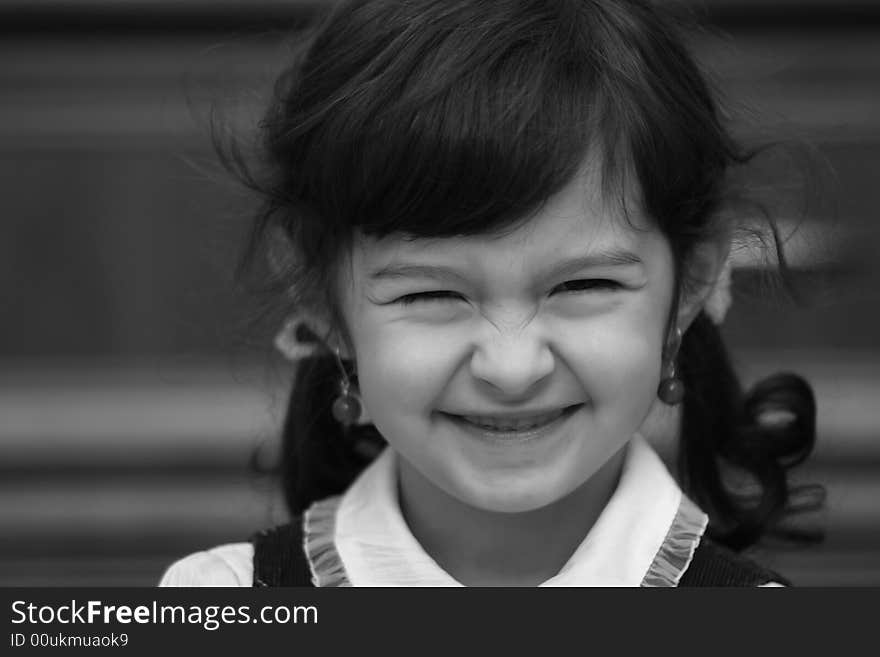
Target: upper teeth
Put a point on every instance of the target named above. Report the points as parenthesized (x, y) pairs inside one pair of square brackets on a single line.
[(512, 424)]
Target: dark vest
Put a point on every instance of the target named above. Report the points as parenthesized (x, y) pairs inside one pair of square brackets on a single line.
[(279, 560)]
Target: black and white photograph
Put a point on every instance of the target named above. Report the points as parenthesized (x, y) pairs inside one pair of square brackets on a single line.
[(439, 293)]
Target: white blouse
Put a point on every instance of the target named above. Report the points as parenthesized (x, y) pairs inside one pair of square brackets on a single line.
[(645, 536)]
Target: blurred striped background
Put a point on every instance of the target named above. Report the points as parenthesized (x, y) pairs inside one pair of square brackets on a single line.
[(134, 395)]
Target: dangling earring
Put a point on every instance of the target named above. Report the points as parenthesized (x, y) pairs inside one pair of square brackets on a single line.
[(347, 406), (671, 388)]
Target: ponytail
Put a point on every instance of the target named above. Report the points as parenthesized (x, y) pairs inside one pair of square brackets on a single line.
[(319, 457), (761, 434)]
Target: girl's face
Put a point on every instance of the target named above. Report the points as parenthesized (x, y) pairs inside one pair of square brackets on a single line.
[(505, 371)]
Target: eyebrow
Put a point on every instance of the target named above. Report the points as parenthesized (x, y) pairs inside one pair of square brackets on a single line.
[(608, 258)]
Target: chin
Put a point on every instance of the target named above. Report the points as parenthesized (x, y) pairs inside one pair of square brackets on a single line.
[(523, 491), (514, 498)]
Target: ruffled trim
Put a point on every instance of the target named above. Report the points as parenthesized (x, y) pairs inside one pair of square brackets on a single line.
[(319, 530), (677, 550)]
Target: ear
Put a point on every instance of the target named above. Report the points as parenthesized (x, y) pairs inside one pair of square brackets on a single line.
[(701, 273), (325, 327), (282, 261)]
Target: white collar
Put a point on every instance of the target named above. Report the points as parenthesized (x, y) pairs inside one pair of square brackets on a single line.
[(645, 536)]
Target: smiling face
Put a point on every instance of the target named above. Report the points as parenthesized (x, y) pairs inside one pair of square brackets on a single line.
[(506, 370)]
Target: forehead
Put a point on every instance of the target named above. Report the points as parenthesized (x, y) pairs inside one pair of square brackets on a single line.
[(578, 220)]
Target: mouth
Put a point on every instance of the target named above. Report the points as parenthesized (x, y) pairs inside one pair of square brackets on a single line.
[(525, 423), (518, 428)]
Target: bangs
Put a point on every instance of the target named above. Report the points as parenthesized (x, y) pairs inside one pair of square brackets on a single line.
[(437, 119), (462, 128)]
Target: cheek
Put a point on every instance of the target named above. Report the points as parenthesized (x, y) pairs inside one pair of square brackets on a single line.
[(619, 364), (629, 347), (402, 368)]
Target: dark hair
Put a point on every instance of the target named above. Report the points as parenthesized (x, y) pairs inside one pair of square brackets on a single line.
[(458, 118)]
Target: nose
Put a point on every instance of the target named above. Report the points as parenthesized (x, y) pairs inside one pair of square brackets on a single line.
[(512, 363)]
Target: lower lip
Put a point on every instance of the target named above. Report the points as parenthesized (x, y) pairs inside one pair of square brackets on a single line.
[(509, 437)]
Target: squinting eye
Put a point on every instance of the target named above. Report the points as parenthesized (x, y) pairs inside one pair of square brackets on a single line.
[(434, 295), (586, 285)]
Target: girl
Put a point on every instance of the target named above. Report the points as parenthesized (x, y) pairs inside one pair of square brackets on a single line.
[(507, 224)]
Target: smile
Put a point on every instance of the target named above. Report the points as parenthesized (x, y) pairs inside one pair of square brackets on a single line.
[(514, 429), (513, 424)]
